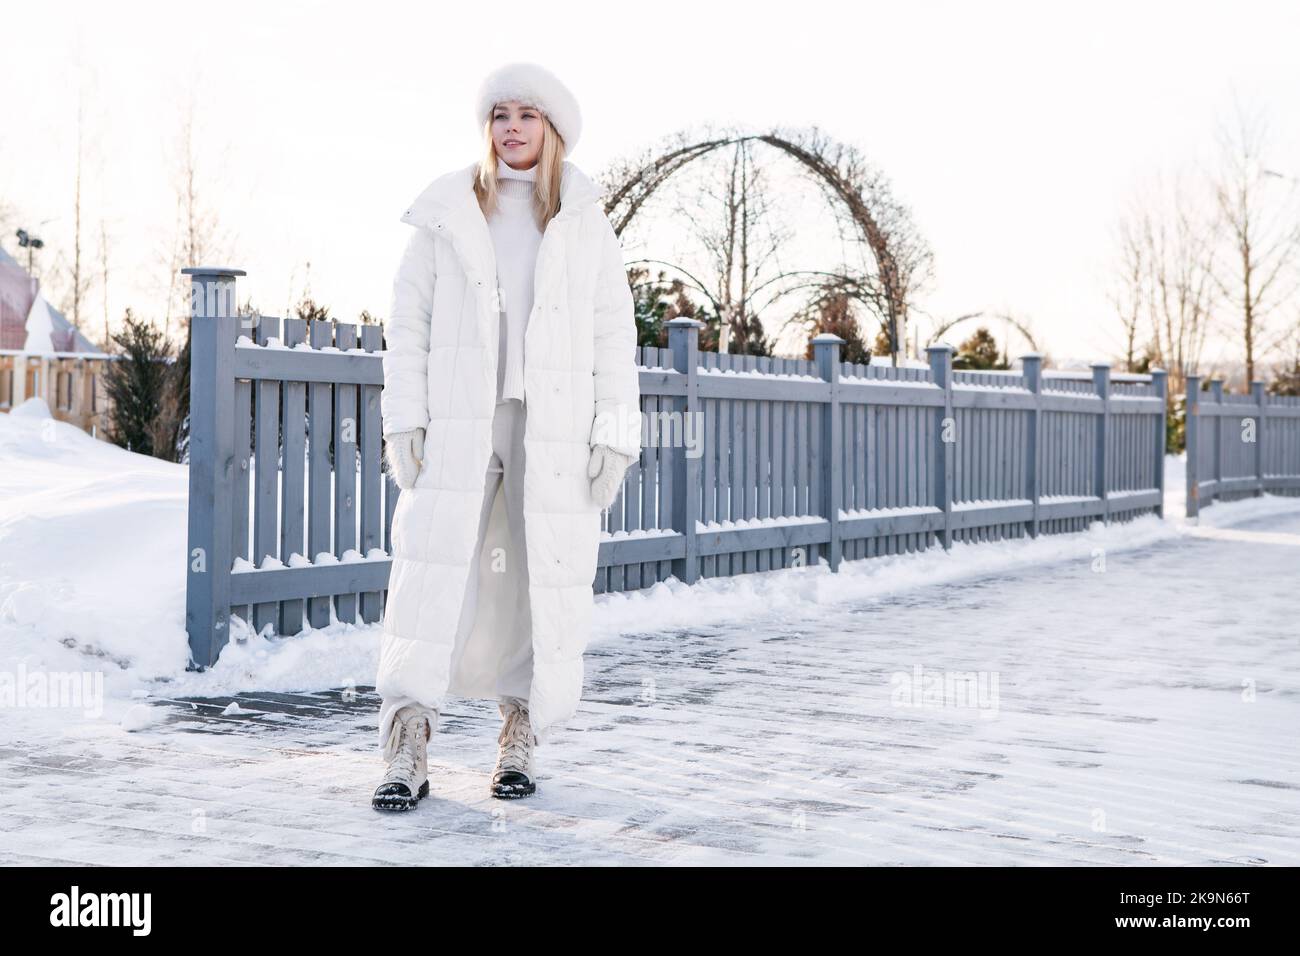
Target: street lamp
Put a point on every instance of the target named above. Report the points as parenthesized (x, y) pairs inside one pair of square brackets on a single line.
[(29, 242)]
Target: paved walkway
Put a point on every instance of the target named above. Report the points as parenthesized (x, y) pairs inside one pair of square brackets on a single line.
[(811, 739)]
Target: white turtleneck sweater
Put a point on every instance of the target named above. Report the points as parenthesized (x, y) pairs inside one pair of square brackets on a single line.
[(516, 239)]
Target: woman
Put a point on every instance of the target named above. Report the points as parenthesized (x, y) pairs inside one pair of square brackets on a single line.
[(510, 412)]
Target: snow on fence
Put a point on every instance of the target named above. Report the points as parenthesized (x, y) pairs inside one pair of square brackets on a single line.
[(1239, 446), (805, 461), (750, 463)]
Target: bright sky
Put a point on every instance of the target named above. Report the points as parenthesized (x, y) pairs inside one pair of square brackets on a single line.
[(1016, 132)]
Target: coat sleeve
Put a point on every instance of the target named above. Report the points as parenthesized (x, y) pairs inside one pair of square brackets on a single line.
[(405, 399), (616, 421)]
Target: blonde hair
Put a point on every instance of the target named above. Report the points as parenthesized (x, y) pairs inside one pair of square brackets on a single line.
[(550, 166)]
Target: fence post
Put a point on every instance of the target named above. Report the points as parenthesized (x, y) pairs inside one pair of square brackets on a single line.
[(213, 328), (1101, 380), (826, 353), (1160, 384), (1216, 390), (1191, 445), (1032, 365), (1261, 402), (684, 342), (945, 464)]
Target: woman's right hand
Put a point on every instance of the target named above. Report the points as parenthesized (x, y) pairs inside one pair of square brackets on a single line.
[(405, 454)]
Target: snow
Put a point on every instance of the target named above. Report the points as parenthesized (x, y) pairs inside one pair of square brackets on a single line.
[(895, 512), (92, 545), (735, 524), (1065, 499), (979, 504), (92, 550), (901, 382), (1130, 493), (786, 716), (756, 373), (810, 591), (1082, 396), (992, 387), (624, 534), (40, 327), (885, 361), (142, 717)]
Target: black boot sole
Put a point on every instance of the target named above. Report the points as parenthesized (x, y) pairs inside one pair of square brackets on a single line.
[(507, 792), (397, 802)]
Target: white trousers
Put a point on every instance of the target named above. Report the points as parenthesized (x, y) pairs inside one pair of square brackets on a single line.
[(506, 650)]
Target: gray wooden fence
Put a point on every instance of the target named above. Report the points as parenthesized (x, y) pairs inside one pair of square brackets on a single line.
[(750, 464), (1239, 446), (807, 461)]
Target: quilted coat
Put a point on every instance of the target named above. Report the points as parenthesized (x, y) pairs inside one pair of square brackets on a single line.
[(580, 389)]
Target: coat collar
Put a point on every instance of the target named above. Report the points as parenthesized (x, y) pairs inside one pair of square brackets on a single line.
[(452, 194)]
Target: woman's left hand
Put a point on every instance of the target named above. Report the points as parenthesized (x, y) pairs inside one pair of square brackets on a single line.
[(606, 469)]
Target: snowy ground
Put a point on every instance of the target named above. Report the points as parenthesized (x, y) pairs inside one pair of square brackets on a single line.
[(1135, 694)]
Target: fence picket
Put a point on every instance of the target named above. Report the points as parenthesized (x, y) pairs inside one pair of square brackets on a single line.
[(243, 465), (371, 441), (293, 477), (320, 419), (266, 458)]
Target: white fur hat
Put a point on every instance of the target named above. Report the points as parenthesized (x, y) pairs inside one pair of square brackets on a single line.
[(536, 86)]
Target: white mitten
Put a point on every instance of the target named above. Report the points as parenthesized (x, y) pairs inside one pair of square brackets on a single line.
[(606, 469), (405, 454)]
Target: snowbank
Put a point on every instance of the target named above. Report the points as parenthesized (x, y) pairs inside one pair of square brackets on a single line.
[(808, 590), (92, 574), (92, 540)]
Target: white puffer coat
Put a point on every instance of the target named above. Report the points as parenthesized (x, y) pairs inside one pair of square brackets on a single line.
[(580, 389)]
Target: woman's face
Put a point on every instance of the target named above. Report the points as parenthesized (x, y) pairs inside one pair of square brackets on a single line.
[(517, 131)]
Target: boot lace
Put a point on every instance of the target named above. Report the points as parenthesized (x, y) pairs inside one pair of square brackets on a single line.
[(401, 750), (515, 741)]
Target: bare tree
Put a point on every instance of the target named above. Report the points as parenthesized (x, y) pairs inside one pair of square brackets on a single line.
[(103, 278), (8, 219), (195, 239), (70, 279), (896, 261), (1262, 228), (741, 243), (78, 281), (1180, 261), (1130, 293), (1165, 294), (886, 262), (1286, 374)]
